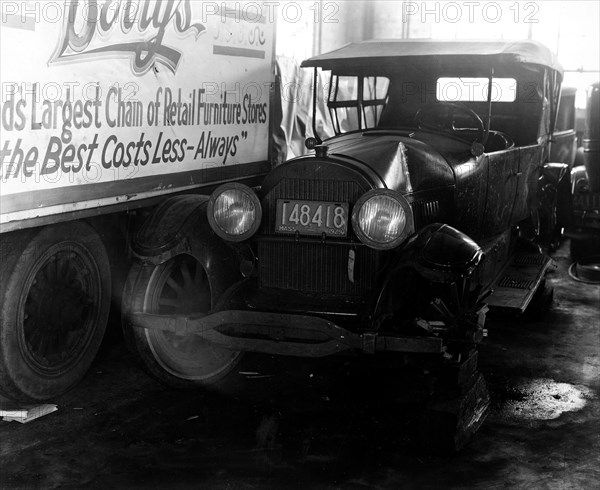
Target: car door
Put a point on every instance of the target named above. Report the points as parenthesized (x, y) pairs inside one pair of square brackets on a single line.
[(503, 177), (530, 171)]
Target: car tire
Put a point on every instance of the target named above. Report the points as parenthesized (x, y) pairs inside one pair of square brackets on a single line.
[(177, 286), (55, 300)]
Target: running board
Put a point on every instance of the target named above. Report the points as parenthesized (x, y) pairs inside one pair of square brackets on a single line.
[(518, 282)]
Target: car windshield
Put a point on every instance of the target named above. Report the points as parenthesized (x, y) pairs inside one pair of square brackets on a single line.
[(415, 97), (356, 102)]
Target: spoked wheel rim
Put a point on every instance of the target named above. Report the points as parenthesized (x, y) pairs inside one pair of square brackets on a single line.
[(59, 311), (181, 286)]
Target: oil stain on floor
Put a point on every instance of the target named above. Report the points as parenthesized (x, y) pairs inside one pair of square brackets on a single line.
[(539, 399)]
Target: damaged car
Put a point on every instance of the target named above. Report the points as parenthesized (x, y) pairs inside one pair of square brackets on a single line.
[(397, 234)]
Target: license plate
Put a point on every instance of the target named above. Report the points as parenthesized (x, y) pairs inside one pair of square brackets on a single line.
[(311, 217)]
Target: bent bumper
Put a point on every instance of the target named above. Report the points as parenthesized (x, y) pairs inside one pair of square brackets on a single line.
[(281, 334)]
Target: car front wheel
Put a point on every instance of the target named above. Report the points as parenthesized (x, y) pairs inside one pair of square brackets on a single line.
[(178, 286)]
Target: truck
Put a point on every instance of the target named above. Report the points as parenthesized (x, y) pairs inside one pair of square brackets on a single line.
[(109, 109)]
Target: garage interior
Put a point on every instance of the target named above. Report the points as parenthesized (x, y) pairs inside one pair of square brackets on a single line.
[(342, 422), (335, 423)]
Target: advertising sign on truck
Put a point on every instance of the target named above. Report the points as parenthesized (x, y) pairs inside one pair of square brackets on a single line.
[(109, 106), (126, 100)]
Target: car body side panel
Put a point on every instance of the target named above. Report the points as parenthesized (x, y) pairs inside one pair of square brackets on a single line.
[(471, 183)]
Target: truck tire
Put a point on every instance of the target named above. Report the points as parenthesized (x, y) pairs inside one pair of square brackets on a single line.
[(55, 300), (178, 286)]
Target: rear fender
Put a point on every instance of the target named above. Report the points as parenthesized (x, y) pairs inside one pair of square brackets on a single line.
[(555, 200), (553, 173)]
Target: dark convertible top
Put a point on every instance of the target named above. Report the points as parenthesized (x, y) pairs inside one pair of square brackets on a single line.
[(390, 51)]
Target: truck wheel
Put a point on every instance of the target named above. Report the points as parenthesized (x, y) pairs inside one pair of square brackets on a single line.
[(178, 286), (55, 300)]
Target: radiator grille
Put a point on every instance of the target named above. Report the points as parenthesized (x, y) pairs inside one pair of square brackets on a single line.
[(313, 267)]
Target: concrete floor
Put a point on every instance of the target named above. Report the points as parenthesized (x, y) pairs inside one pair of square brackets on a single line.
[(328, 424)]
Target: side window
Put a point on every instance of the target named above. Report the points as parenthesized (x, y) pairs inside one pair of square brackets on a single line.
[(356, 102)]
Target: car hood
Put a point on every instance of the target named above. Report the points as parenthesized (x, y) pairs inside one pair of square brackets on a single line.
[(405, 161)]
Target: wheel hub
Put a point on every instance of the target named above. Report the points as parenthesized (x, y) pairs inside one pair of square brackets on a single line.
[(57, 310)]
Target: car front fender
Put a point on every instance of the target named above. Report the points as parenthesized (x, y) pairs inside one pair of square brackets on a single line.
[(437, 253), (440, 253)]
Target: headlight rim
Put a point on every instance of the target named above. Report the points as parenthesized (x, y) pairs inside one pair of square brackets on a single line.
[(406, 207), (211, 217)]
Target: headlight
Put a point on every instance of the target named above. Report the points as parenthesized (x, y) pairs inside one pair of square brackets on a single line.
[(234, 212), (382, 219)]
